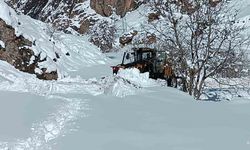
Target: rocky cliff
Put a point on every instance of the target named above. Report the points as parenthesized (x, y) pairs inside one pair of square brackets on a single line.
[(73, 15)]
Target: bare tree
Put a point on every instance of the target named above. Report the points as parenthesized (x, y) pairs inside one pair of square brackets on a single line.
[(201, 38)]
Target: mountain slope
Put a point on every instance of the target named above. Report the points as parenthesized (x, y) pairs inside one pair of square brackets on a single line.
[(56, 51), (73, 15)]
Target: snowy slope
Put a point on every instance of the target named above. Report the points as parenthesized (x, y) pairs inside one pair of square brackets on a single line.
[(243, 6), (74, 52)]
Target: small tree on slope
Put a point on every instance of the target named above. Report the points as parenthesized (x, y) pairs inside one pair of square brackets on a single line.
[(201, 37)]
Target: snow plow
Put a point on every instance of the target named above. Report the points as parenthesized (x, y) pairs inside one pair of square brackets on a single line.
[(147, 60)]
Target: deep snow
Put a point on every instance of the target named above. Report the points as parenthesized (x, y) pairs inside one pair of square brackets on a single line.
[(153, 118), (113, 113), (88, 108), (161, 118)]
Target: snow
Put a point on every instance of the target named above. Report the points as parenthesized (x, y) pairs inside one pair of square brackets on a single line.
[(127, 111), (160, 119), (135, 77), (2, 44), (91, 109), (134, 20), (6, 13), (41, 132), (48, 43)]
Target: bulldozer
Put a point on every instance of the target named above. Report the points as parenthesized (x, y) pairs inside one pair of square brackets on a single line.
[(146, 60)]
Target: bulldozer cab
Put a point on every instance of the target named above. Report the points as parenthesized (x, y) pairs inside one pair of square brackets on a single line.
[(144, 59), (139, 55), (128, 57)]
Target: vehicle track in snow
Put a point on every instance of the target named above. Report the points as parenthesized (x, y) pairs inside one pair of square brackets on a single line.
[(57, 124)]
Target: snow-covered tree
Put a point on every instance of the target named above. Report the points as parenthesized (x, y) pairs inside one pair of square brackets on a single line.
[(201, 37)]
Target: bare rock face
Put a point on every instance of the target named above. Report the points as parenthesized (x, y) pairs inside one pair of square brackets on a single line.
[(106, 7), (18, 52), (137, 38), (85, 25)]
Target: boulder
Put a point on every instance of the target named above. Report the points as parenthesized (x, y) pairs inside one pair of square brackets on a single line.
[(127, 38)]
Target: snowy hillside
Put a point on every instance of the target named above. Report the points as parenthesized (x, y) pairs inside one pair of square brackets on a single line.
[(63, 52)]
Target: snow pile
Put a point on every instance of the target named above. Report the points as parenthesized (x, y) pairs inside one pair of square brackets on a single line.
[(17, 81), (118, 86), (64, 53), (135, 77), (126, 82)]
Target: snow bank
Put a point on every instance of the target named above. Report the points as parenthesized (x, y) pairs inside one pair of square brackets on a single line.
[(118, 86), (134, 76), (126, 82)]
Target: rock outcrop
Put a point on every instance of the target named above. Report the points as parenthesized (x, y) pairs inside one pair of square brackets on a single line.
[(106, 7), (127, 38), (17, 52), (138, 38), (72, 14), (153, 16)]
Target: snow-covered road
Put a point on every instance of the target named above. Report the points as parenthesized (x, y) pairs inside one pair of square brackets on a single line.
[(114, 113), (44, 119), (161, 118), (36, 112), (39, 111)]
